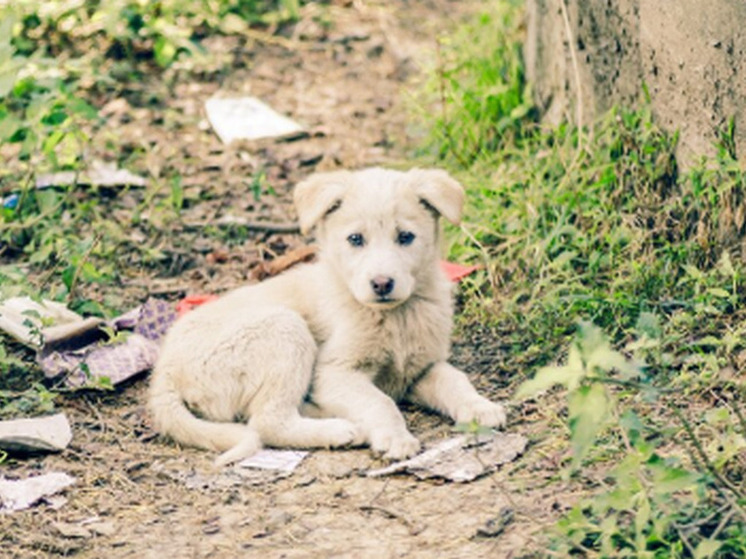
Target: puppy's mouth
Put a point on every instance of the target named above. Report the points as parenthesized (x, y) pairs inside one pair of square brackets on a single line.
[(384, 302)]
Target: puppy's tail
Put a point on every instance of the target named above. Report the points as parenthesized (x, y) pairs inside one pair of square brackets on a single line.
[(171, 417)]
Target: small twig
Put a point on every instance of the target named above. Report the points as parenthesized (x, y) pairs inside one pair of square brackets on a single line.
[(79, 267), (702, 455), (684, 540), (269, 39), (485, 256), (413, 529), (732, 406), (263, 226), (723, 523), (576, 71)]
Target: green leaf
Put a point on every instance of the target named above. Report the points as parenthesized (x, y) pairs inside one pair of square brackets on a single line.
[(588, 409), (648, 324), (232, 24), (165, 51), (667, 479), (707, 548), (568, 376), (47, 200), (8, 78), (718, 292), (81, 107)]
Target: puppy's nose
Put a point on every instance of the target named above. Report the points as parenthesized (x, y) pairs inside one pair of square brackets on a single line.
[(382, 285)]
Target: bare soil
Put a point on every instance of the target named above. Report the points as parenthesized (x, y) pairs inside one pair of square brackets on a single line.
[(346, 81)]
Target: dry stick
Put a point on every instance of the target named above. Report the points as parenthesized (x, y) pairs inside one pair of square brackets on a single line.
[(411, 526), (684, 539), (723, 523), (485, 256), (576, 70), (733, 406), (267, 227), (79, 267)]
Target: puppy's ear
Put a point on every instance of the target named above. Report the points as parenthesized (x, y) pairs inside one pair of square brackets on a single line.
[(440, 191), (319, 195)]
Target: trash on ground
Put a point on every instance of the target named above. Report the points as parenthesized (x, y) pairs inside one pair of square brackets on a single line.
[(247, 118), (460, 459), (191, 302), (99, 173), (32, 322), (457, 272), (20, 494), (38, 434), (270, 466), (94, 357), (280, 460)]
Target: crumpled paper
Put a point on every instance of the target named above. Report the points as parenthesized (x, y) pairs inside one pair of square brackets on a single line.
[(460, 459), (20, 494)]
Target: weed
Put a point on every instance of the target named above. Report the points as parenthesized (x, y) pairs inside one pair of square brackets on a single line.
[(612, 235)]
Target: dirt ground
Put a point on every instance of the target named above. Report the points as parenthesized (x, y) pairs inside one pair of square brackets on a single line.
[(138, 495)]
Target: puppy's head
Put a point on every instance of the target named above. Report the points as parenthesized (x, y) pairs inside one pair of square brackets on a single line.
[(378, 229)]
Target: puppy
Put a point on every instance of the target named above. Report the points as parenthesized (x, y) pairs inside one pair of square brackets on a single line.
[(365, 326)]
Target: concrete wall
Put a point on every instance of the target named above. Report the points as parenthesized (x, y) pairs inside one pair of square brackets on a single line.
[(690, 53)]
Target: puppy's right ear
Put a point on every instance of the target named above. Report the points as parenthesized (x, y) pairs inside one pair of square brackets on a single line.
[(318, 196)]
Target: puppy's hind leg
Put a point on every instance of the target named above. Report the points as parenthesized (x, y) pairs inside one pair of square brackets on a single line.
[(285, 363)]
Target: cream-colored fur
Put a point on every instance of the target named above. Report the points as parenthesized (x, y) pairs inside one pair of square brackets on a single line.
[(364, 327)]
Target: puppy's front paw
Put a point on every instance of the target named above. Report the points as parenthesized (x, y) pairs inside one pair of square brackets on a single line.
[(394, 446), (483, 412), (340, 432)]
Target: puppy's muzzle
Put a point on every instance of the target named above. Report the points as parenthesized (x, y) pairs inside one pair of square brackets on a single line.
[(382, 286)]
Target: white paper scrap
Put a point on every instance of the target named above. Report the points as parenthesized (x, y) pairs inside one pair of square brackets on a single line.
[(98, 173), (20, 494), (247, 118), (461, 458), (24, 318), (33, 434), (281, 460)]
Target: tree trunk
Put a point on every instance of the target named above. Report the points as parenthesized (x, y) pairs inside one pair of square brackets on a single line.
[(690, 54)]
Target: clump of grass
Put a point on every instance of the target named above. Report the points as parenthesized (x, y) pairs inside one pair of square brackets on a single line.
[(608, 231)]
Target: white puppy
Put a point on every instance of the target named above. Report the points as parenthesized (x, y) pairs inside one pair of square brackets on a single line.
[(365, 326)]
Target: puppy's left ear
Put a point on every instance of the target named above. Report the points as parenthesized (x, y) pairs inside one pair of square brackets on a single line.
[(440, 191), (319, 195)]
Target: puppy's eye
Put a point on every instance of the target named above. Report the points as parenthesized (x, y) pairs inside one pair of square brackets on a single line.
[(356, 240), (405, 238)]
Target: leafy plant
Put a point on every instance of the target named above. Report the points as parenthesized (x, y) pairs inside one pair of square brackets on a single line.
[(649, 504)]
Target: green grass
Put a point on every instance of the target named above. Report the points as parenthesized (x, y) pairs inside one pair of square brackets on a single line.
[(607, 231)]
